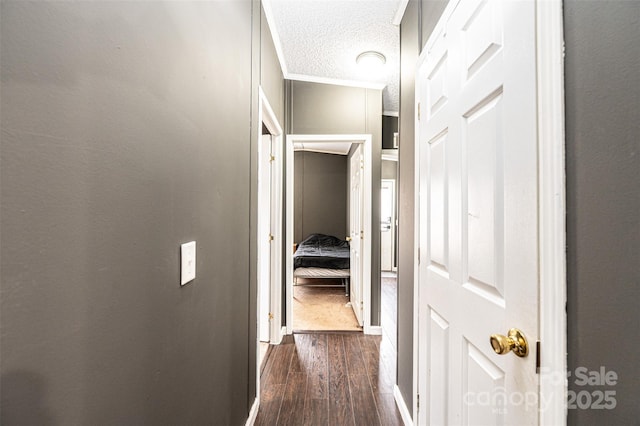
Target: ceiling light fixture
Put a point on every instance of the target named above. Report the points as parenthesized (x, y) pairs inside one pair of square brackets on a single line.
[(371, 59)]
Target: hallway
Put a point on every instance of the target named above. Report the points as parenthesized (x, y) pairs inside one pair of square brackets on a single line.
[(329, 379)]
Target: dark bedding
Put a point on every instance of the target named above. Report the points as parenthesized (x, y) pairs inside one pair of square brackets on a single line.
[(322, 251)]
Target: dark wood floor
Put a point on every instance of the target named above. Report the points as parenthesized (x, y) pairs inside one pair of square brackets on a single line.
[(334, 378), (329, 379)]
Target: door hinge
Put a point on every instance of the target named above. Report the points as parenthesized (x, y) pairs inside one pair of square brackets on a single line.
[(418, 111), (418, 255), (538, 357), (270, 316), (418, 401), (270, 237), (271, 158)]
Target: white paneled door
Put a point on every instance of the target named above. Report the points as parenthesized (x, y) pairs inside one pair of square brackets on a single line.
[(478, 215), (387, 224), (356, 232)]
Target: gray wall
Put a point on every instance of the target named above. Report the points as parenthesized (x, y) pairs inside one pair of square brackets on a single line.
[(271, 78), (266, 72), (315, 108), (320, 198), (329, 109), (419, 20), (409, 51), (602, 86), (126, 132), (389, 127), (389, 169), (429, 12), (273, 85)]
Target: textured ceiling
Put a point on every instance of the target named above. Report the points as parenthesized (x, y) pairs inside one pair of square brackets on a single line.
[(322, 38)]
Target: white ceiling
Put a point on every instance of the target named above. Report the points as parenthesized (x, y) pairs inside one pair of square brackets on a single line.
[(320, 39), (339, 148)]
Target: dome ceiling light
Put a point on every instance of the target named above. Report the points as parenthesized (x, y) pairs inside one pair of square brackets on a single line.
[(371, 59)]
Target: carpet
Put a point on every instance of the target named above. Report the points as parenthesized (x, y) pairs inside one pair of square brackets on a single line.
[(322, 309)]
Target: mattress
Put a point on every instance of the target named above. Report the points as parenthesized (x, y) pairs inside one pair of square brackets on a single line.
[(322, 251)]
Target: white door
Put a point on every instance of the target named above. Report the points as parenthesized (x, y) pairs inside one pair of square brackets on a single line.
[(356, 231), (264, 236), (387, 224), (478, 215)]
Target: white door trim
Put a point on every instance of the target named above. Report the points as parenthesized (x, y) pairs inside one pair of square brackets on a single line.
[(268, 117), (355, 179), (366, 243), (265, 229), (394, 215), (551, 205)]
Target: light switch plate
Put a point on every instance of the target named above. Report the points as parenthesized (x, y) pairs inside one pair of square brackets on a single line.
[(188, 262)]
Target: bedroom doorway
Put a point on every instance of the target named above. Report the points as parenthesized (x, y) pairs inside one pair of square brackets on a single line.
[(358, 300)]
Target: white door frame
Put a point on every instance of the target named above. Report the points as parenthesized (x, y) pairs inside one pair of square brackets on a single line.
[(355, 178), (366, 242), (393, 223), (265, 230), (551, 213), (268, 117)]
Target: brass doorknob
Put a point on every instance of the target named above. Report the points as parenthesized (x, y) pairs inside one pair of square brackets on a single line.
[(513, 341), (348, 238)]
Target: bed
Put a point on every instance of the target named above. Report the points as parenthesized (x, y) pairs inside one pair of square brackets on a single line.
[(322, 256)]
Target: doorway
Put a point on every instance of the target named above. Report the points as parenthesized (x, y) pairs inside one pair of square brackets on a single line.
[(322, 254), (360, 279), (388, 225)]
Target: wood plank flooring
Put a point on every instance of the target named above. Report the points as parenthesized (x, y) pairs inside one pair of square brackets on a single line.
[(329, 379)]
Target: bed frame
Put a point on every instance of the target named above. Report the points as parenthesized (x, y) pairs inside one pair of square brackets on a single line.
[(323, 273)]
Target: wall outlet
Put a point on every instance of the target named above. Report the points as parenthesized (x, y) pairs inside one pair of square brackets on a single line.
[(188, 262)]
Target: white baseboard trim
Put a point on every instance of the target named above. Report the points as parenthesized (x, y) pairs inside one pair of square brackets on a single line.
[(283, 332), (253, 413), (402, 407), (374, 330)]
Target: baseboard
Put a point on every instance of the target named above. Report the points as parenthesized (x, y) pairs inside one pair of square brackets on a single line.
[(374, 330), (402, 407), (253, 413), (283, 332)]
